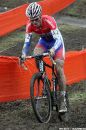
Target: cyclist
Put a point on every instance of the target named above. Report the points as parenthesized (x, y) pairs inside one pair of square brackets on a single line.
[(50, 39)]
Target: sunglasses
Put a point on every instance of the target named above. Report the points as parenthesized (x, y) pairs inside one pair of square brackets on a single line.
[(37, 19)]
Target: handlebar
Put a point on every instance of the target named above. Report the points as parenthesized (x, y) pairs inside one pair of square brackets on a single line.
[(43, 55), (33, 56), (40, 55)]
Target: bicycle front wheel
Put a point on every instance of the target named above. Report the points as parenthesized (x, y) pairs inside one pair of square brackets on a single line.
[(40, 98)]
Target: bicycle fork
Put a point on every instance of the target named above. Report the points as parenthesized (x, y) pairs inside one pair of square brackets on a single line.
[(44, 77), (54, 95)]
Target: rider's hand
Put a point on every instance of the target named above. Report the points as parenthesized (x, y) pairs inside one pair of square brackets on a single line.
[(52, 51), (22, 59)]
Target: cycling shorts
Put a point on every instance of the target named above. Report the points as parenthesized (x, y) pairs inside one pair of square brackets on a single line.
[(45, 46)]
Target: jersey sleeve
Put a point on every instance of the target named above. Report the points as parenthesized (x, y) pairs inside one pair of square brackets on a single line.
[(28, 36), (58, 38), (25, 50), (28, 28)]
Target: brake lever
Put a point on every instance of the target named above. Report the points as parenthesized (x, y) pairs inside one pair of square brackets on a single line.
[(22, 65)]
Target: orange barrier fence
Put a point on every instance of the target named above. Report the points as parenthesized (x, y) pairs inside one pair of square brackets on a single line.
[(15, 81), (16, 18), (12, 20)]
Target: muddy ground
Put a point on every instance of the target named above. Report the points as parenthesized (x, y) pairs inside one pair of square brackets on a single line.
[(19, 115)]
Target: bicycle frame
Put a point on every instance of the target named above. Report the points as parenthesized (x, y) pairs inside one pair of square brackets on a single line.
[(41, 68), (54, 80)]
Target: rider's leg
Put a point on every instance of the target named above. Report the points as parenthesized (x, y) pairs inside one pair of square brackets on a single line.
[(39, 49), (61, 75), (59, 58)]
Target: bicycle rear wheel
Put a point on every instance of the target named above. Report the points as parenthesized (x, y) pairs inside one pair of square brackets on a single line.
[(40, 98)]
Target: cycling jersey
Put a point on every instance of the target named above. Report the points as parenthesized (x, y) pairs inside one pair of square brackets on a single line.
[(48, 32)]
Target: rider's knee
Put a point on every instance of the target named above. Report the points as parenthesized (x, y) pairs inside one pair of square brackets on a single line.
[(37, 51), (59, 66), (59, 63)]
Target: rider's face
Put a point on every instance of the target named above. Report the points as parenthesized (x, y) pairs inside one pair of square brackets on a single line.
[(37, 22)]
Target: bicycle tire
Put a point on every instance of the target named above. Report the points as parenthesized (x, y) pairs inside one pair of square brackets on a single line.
[(37, 77)]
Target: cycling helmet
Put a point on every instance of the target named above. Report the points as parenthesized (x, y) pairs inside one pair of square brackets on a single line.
[(34, 10)]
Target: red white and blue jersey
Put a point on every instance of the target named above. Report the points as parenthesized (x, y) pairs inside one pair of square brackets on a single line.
[(48, 32), (48, 24)]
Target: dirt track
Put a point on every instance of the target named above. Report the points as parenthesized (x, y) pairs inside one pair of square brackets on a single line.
[(19, 115)]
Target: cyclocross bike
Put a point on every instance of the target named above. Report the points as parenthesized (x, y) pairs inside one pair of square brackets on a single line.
[(43, 98)]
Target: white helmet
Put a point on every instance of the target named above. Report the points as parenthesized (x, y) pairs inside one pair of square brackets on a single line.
[(34, 10)]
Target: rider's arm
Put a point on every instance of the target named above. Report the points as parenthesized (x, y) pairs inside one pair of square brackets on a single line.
[(55, 33), (58, 38), (25, 50)]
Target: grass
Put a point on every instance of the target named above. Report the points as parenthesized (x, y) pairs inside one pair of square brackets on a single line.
[(77, 92), (77, 9), (12, 39), (12, 3), (65, 27), (77, 96)]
